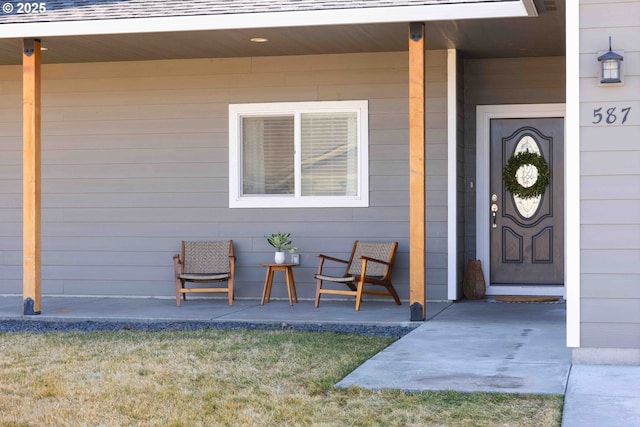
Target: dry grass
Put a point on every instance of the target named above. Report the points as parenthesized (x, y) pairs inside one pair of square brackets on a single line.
[(226, 378)]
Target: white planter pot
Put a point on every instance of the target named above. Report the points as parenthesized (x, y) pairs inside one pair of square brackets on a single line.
[(279, 258)]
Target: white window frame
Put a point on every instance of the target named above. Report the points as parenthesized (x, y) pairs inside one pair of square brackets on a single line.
[(238, 111)]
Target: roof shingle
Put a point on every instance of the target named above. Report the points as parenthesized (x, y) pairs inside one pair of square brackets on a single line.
[(87, 10)]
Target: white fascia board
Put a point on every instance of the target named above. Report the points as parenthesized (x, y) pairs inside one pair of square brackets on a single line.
[(437, 12)]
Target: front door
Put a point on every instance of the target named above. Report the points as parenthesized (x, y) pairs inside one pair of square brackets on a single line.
[(527, 217)]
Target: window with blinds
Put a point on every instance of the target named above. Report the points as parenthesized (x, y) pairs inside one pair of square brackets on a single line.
[(267, 155), (329, 154), (298, 154)]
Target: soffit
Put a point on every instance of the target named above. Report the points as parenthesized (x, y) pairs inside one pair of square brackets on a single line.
[(543, 35)]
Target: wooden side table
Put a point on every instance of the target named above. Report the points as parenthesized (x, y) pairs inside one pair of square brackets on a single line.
[(288, 275)]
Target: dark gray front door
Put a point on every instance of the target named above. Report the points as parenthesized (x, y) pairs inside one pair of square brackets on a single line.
[(527, 235)]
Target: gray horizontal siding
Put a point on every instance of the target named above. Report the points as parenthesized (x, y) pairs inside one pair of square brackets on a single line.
[(601, 285), (610, 335), (612, 323), (610, 182), (610, 237), (135, 159), (614, 261), (611, 310), (608, 211)]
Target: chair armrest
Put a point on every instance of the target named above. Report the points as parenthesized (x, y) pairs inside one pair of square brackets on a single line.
[(330, 258), (367, 258), (176, 263)]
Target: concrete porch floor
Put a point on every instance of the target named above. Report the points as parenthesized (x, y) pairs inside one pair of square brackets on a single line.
[(381, 313)]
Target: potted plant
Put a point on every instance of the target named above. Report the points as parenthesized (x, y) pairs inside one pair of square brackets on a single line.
[(282, 243)]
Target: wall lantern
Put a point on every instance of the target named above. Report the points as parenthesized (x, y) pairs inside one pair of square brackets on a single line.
[(611, 66)]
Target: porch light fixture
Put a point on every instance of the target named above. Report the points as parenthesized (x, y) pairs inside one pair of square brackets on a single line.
[(610, 66), (259, 39)]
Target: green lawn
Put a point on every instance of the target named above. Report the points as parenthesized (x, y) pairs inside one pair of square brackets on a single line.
[(229, 378)]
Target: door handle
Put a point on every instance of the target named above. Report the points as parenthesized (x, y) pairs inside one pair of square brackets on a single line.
[(494, 214)]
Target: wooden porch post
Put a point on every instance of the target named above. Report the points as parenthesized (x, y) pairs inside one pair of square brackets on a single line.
[(417, 143), (31, 285)]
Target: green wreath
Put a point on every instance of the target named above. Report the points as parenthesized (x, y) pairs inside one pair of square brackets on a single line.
[(511, 182)]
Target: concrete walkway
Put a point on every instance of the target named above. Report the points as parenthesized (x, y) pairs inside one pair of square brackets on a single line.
[(466, 346), (476, 346), (602, 396)]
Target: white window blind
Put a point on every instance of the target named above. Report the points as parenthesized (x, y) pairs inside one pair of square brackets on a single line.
[(307, 154), (329, 154), (267, 155)]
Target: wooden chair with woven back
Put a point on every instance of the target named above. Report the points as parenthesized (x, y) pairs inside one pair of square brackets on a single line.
[(201, 263), (369, 264)]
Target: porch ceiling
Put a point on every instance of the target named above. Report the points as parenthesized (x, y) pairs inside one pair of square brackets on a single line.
[(543, 35)]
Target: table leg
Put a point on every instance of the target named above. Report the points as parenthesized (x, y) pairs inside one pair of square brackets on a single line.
[(266, 285), (288, 283), (293, 285), (273, 273)]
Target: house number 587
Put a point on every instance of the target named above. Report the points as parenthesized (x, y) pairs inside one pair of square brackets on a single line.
[(609, 116)]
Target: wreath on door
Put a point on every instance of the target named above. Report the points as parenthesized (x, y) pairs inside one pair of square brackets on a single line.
[(519, 160)]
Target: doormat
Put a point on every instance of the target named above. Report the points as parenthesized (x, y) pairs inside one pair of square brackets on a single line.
[(527, 298)]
